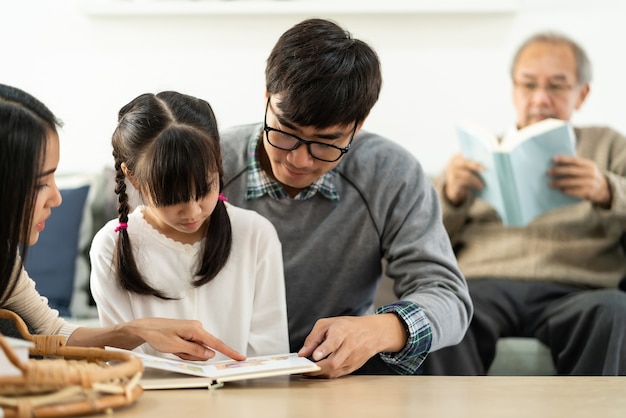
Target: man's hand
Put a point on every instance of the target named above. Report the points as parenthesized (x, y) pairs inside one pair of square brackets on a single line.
[(461, 178), (580, 178), (343, 344)]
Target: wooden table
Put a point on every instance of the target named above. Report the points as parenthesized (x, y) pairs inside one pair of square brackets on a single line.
[(392, 397)]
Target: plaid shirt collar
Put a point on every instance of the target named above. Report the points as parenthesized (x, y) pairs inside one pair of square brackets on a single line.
[(259, 183)]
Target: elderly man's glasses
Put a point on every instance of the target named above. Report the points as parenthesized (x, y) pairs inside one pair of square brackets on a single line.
[(289, 142), (529, 88)]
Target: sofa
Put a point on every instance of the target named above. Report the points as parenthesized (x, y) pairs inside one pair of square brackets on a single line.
[(59, 264)]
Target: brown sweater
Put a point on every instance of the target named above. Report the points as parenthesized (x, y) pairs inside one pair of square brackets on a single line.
[(579, 244)]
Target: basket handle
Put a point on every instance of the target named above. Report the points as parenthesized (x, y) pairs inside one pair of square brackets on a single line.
[(19, 323), (4, 344), (43, 343)]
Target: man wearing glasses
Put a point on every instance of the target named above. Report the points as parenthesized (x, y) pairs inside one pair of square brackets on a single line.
[(343, 200), (558, 278)]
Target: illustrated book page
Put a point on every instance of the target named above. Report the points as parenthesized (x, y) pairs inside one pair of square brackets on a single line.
[(168, 373)]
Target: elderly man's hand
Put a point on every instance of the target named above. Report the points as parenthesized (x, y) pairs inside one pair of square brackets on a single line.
[(579, 177), (461, 178)]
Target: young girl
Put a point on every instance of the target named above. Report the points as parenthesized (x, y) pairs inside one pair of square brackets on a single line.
[(29, 155), (185, 252)]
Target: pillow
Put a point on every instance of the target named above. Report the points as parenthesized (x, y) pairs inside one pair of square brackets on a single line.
[(52, 262)]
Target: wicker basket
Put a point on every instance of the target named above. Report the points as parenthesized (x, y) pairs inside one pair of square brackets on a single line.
[(66, 381)]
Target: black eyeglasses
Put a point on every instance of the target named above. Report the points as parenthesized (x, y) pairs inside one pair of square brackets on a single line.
[(289, 142)]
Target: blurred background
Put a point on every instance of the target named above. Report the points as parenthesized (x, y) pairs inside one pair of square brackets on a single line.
[(442, 60)]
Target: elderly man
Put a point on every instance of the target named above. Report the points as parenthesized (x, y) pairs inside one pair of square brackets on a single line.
[(557, 278)]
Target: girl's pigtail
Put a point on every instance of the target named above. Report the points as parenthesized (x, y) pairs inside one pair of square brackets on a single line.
[(124, 261)]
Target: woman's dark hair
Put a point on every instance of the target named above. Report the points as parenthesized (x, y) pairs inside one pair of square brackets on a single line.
[(170, 146), (25, 126), (324, 76)]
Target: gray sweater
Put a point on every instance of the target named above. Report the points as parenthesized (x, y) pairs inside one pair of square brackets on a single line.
[(332, 250)]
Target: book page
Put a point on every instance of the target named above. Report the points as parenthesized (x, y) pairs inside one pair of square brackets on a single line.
[(177, 366), (511, 208), (259, 365), (530, 161), (477, 147), (514, 138), (165, 373)]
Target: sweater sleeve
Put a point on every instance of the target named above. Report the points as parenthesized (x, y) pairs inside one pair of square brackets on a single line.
[(617, 184), (616, 176), (607, 148), (416, 246), (34, 309)]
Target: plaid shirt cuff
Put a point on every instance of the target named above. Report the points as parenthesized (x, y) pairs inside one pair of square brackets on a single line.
[(419, 340)]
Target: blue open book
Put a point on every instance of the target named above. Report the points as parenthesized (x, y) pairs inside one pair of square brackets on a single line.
[(515, 175)]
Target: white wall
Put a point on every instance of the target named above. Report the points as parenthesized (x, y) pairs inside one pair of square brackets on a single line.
[(437, 67)]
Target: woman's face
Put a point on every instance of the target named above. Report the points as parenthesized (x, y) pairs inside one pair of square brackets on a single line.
[(48, 195)]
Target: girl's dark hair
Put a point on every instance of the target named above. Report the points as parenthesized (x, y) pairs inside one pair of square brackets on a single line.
[(325, 77), (170, 145), (25, 126)]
